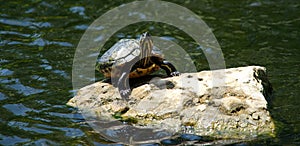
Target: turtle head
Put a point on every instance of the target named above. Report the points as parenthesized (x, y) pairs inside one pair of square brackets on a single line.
[(146, 45)]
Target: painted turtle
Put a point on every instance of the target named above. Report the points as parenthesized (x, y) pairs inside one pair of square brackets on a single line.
[(131, 58)]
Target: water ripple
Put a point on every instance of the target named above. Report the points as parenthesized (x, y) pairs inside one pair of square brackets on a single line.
[(2, 96), (25, 90), (255, 4), (42, 42), (69, 132), (37, 42), (17, 109), (17, 85), (14, 33), (27, 127), (5, 72), (25, 23), (3, 61), (12, 140), (61, 73), (46, 66), (77, 9), (82, 27), (42, 142)]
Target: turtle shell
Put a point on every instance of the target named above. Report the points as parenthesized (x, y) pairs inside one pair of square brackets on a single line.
[(125, 51)]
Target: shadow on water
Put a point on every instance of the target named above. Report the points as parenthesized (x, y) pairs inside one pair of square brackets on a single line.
[(38, 40)]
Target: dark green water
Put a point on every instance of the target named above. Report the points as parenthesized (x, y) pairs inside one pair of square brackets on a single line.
[(38, 41)]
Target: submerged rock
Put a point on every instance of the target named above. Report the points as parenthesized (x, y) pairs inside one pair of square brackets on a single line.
[(227, 103)]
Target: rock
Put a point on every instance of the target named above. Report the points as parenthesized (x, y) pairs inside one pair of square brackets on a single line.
[(228, 103)]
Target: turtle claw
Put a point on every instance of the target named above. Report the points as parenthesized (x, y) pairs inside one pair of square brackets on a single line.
[(175, 73), (125, 93)]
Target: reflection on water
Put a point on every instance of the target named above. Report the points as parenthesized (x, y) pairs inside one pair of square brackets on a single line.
[(38, 40), (17, 109)]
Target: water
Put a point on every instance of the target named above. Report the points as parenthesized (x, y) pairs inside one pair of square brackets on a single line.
[(38, 41)]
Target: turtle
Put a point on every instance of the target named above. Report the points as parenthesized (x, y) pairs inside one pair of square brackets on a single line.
[(132, 58)]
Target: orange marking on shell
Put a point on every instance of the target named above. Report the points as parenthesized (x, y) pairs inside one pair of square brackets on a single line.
[(139, 72)]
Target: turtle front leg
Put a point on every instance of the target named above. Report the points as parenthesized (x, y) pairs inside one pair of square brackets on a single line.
[(123, 85), (169, 68), (166, 65)]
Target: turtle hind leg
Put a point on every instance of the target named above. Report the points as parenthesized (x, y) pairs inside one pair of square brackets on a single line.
[(107, 80)]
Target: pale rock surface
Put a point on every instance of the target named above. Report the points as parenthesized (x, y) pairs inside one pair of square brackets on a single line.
[(227, 103)]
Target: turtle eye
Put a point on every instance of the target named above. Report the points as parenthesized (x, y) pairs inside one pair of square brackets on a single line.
[(144, 36)]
